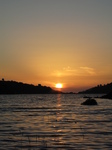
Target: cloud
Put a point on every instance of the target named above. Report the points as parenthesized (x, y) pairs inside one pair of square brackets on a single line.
[(68, 71), (89, 70), (57, 73)]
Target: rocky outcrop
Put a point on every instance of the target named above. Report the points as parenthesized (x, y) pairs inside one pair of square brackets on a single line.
[(108, 96), (90, 101)]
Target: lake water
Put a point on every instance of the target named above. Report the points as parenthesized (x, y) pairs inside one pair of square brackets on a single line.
[(36, 122)]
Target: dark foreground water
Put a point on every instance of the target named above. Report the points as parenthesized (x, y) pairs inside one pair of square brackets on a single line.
[(32, 122)]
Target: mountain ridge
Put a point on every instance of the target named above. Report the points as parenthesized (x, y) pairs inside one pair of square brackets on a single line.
[(99, 89), (14, 87)]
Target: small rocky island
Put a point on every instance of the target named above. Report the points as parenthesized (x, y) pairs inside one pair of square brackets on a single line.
[(90, 101)]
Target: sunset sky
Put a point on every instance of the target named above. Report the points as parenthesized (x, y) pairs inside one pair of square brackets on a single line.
[(50, 41)]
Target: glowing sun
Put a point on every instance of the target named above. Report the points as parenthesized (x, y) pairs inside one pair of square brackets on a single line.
[(59, 85)]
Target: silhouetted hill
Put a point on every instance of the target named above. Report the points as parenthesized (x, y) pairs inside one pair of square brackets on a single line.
[(107, 96), (13, 87), (99, 89)]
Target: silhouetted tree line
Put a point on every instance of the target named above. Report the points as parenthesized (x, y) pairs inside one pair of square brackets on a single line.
[(99, 89), (13, 87)]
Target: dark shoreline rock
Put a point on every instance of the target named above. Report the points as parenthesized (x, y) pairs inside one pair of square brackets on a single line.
[(90, 101), (107, 96)]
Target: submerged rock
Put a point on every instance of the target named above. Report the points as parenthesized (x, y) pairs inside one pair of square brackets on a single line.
[(90, 101)]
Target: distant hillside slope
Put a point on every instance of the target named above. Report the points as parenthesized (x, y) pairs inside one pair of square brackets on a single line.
[(99, 89), (13, 87), (107, 96)]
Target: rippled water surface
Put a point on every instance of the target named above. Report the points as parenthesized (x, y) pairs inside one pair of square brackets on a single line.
[(31, 122)]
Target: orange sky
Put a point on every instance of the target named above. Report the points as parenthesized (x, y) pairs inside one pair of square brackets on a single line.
[(57, 41)]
